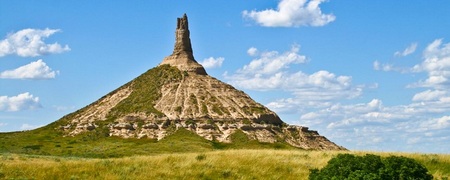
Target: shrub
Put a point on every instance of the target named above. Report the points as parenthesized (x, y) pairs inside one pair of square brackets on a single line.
[(247, 121), (347, 166), (403, 168), (189, 121), (33, 147), (200, 157), (178, 109)]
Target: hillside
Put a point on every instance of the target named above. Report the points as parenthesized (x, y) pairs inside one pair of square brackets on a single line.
[(174, 107)]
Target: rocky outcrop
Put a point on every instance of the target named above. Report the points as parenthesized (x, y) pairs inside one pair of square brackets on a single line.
[(203, 97), (179, 94), (182, 56)]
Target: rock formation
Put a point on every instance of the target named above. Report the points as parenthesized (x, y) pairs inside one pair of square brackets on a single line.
[(182, 56), (179, 94)]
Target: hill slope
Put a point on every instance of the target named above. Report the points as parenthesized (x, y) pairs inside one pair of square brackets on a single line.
[(176, 97)]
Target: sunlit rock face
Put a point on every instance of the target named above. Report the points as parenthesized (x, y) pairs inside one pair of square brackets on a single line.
[(182, 56)]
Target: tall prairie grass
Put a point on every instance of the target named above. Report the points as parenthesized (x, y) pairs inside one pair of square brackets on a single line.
[(223, 164)]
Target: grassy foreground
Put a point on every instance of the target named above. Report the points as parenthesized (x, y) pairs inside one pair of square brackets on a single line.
[(222, 164)]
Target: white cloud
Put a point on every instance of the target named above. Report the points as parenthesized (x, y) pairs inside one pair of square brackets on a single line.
[(437, 64), (400, 125), (35, 70), (269, 71), (389, 67), (252, 51), (30, 43), (408, 127), (429, 95), (436, 123), (382, 67), (3, 124), (22, 101), (212, 62), (291, 13), (319, 100), (29, 126), (409, 50), (271, 62)]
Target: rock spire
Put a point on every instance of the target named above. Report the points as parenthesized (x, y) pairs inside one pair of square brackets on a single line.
[(182, 56), (182, 40)]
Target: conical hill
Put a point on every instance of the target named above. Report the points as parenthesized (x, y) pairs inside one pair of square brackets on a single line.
[(178, 94)]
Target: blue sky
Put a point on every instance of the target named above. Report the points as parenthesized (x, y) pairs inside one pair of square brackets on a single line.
[(369, 75)]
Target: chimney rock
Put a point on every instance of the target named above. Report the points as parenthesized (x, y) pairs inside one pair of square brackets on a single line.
[(182, 56)]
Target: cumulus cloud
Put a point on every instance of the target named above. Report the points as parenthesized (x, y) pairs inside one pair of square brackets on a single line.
[(319, 98), (270, 71), (271, 62), (35, 70), (338, 115), (429, 95), (409, 50), (212, 62), (291, 13), (436, 123), (367, 125), (252, 51), (24, 101), (436, 64), (30, 43), (407, 127)]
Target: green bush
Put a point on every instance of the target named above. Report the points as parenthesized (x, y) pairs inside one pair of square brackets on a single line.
[(370, 167), (200, 157)]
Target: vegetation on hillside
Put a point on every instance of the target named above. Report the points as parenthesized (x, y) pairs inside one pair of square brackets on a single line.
[(226, 164), (95, 144), (146, 89)]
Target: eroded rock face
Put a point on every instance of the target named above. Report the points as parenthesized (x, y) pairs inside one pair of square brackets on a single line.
[(202, 97), (85, 120), (297, 136)]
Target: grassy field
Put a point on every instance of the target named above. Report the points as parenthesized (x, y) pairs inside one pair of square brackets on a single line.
[(218, 164), (44, 154)]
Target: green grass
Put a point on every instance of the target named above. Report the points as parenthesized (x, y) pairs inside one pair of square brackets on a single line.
[(95, 144), (146, 90), (225, 164), (45, 154)]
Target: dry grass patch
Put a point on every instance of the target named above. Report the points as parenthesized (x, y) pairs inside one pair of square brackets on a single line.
[(226, 164)]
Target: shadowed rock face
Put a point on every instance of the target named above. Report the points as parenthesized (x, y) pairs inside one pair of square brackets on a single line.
[(182, 56), (186, 97)]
